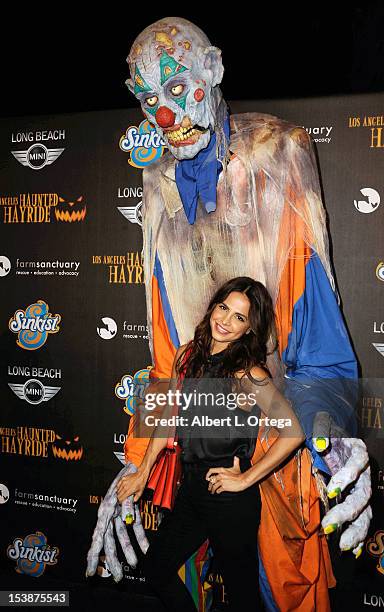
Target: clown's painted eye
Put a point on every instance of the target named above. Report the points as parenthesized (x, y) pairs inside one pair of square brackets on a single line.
[(152, 101), (177, 90)]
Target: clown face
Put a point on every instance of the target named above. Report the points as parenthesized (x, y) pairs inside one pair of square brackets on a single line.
[(175, 74)]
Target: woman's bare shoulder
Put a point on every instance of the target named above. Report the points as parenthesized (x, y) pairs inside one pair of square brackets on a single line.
[(255, 372), (259, 373)]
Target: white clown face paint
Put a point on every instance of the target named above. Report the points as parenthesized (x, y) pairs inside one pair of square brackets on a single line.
[(175, 73)]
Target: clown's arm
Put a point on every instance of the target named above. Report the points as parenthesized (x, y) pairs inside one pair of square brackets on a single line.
[(321, 381), (134, 484), (165, 342)]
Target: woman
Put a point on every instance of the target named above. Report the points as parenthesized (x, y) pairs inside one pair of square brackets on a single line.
[(219, 495)]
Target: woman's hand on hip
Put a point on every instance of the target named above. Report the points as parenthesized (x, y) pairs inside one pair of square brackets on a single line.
[(226, 479)]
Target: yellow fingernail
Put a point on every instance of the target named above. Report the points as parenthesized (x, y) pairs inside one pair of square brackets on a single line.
[(330, 528), (334, 493), (129, 519), (357, 555), (321, 443)]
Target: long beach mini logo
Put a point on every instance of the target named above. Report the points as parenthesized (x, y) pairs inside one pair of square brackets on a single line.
[(33, 391), (33, 325), (132, 213), (143, 144), (37, 156)]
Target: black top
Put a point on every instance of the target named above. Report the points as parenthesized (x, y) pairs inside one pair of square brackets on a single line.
[(205, 442)]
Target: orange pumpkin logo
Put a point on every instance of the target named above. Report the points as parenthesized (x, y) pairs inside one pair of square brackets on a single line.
[(70, 210)]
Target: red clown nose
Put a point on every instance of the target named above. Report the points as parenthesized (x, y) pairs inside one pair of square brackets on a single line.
[(165, 117)]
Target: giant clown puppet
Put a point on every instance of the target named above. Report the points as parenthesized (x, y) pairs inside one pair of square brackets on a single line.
[(240, 196)]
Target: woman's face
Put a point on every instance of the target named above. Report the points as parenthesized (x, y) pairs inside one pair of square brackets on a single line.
[(229, 319)]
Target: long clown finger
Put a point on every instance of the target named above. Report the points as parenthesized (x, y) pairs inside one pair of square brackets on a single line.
[(352, 506), (125, 542), (356, 533), (337, 455), (358, 550), (139, 531), (321, 431), (104, 516), (111, 553), (128, 510), (105, 513), (356, 462)]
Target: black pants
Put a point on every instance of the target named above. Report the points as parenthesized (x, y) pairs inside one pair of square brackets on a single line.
[(229, 520)]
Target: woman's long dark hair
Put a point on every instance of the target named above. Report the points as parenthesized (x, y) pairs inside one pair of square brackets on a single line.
[(242, 354)]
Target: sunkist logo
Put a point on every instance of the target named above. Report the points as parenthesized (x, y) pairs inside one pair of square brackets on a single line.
[(33, 325), (375, 547), (143, 144), (32, 554), (132, 388)]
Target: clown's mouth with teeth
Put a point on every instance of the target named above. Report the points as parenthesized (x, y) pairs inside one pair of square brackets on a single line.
[(179, 136)]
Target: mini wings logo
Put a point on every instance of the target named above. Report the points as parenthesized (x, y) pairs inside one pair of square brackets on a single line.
[(37, 156), (132, 213), (33, 325), (143, 144), (33, 391), (379, 347)]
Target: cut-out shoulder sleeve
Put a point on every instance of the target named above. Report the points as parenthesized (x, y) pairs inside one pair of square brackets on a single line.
[(272, 403)]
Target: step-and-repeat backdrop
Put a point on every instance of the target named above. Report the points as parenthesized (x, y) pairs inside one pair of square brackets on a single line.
[(70, 219)]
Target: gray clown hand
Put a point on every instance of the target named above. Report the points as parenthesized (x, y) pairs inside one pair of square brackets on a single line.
[(112, 513), (348, 461)]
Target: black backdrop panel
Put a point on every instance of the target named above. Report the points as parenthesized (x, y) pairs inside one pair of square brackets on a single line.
[(71, 243)]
